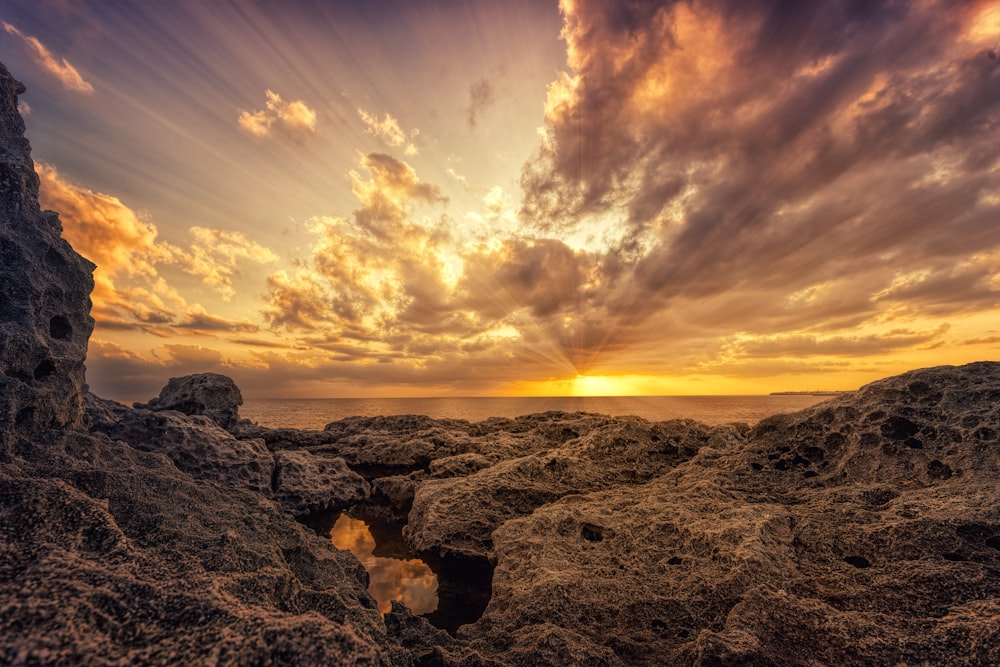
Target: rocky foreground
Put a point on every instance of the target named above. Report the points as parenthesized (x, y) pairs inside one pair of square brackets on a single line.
[(864, 530)]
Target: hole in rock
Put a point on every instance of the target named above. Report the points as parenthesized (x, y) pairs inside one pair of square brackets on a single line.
[(938, 470), (24, 416), (60, 328), (898, 428), (993, 542), (857, 561), (592, 533), (448, 591), (674, 560), (953, 557), (44, 369)]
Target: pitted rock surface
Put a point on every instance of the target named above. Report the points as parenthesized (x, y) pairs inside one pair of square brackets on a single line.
[(306, 483), (210, 394), (45, 290)]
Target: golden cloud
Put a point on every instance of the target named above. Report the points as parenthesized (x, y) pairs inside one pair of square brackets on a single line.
[(295, 117), (214, 255), (129, 291), (388, 130)]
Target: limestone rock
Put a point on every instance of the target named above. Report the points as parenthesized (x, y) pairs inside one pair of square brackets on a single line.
[(211, 394), (734, 557), (44, 294), (110, 555), (458, 515), (306, 483), (459, 465), (396, 491), (196, 445)]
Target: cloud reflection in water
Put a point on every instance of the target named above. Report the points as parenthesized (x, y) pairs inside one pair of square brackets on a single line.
[(410, 581)]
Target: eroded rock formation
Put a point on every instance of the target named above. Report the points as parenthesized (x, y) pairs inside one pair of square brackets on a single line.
[(210, 394), (45, 290), (864, 530)]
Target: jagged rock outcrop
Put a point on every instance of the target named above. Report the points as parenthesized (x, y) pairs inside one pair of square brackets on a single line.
[(110, 555), (45, 290), (210, 394), (196, 445), (458, 515)]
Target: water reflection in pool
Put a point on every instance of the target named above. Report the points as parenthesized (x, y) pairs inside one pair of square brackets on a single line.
[(389, 578)]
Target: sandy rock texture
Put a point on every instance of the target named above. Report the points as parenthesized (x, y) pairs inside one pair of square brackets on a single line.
[(306, 483), (864, 530), (45, 290), (457, 515)]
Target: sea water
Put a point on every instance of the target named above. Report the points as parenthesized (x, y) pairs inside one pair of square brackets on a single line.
[(315, 413)]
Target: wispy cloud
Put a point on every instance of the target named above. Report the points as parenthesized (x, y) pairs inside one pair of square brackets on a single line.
[(61, 68), (214, 255), (481, 97), (295, 117), (388, 130)]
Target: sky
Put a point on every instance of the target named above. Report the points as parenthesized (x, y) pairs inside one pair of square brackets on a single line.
[(474, 198)]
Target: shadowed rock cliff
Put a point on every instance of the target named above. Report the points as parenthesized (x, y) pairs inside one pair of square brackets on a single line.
[(44, 294)]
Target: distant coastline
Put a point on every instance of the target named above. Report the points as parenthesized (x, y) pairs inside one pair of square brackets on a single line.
[(809, 393)]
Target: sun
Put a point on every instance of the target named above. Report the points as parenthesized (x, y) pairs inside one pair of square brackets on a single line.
[(600, 385)]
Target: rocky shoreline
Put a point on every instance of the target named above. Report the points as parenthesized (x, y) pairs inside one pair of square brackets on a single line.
[(863, 530)]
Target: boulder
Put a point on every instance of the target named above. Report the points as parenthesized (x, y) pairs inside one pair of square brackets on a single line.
[(210, 394), (196, 445)]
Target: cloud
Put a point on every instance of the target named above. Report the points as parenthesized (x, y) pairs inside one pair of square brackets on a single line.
[(760, 167), (68, 76), (294, 117), (297, 301), (369, 272), (127, 284), (388, 130), (214, 255), (130, 292), (481, 97)]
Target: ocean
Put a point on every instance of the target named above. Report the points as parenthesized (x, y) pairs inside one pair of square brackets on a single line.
[(315, 413)]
